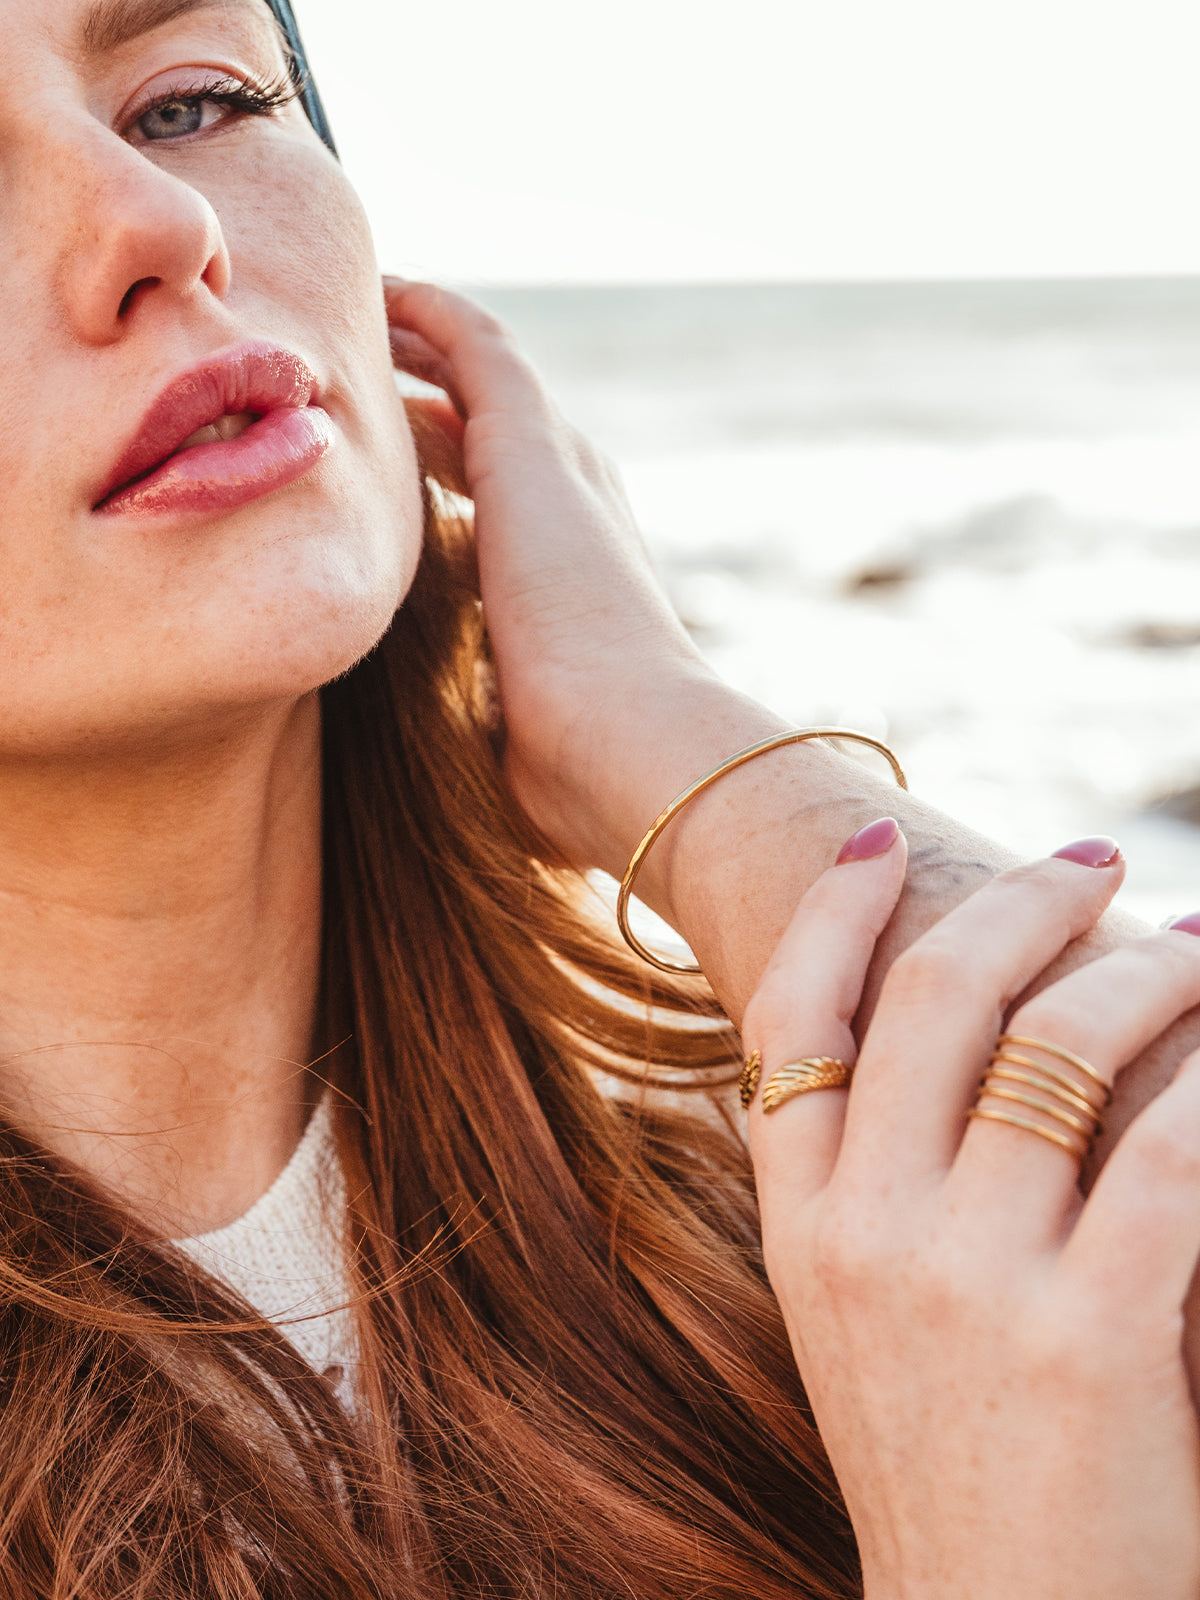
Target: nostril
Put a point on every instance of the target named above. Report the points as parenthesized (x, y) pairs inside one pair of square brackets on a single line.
[(133, 293)]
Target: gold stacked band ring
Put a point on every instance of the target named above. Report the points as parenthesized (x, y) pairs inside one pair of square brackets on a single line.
[(802, 1077), (1068, 1107)]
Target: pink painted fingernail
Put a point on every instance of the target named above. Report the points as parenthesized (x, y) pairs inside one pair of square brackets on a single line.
[(1100, 851), (876, 839), (1188, 924)]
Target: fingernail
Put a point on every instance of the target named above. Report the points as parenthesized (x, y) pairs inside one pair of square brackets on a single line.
[(1188, 924), (1100, 851), (876, 839)]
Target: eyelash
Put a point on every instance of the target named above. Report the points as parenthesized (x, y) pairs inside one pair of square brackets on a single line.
[(236, 94)]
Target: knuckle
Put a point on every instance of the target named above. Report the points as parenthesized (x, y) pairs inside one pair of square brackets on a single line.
[(1057, 1360), (1157, 964), (944, 1283), (483, 323), (1052, 1017), (471, 322), (1168, 1153), (943, 1286), (579, 447), (595, 465), (421, 295), (847, 1257), (926, 973), (1037, 877), (489, 326), (1180, 956), (770, 1016), (1066, 899)]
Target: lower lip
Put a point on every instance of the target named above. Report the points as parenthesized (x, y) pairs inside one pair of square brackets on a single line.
[(209, 478)]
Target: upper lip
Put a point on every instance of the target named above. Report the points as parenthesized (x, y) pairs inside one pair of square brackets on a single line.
[(254, 376)]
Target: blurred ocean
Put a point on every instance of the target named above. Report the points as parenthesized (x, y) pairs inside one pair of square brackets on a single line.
[(965, 517)]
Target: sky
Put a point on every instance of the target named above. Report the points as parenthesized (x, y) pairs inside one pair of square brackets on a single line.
[(652, 140)]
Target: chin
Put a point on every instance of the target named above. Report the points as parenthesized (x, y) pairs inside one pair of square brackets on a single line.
[(302, 603), (321, 619), (322, 645), (199, 674)]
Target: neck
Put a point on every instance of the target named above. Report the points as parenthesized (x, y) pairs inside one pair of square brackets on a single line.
[(160, 923)]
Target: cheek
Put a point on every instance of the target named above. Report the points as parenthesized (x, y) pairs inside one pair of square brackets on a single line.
[(298, 236), (302, 251), (271, 601)]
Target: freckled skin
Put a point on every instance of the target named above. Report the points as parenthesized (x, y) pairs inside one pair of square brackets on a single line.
[(160, 893), (248, 229)]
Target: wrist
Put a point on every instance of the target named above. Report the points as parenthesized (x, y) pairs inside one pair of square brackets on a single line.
[(628, 765)]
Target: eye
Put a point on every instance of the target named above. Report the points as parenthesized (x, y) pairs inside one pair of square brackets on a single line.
[(171, 118), (176, 114)]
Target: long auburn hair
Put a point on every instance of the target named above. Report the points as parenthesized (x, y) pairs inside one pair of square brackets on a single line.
[(574, 1383)]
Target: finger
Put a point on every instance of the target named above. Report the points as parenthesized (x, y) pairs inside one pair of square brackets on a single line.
[(941, 1007), (483, 364), (413, 354), (1138, 1236), (805, 1004), (1024, 1186)]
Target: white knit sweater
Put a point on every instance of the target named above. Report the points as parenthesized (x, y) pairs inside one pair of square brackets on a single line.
[(286, 1255)]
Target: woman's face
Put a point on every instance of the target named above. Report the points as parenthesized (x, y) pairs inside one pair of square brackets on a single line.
[(172, 266)]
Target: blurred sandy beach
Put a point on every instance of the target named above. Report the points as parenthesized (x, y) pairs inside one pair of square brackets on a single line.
[(962, 516)]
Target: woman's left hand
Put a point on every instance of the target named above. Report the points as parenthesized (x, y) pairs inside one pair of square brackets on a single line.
[(599, 682), (995, 1364)]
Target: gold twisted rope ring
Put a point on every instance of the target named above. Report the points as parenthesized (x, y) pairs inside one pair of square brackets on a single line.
[(802, 1077)]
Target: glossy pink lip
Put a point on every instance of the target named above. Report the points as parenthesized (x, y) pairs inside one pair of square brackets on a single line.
[(291, 435)]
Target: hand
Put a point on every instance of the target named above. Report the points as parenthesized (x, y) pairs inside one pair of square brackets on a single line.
[(994, 1364), (588, 651)]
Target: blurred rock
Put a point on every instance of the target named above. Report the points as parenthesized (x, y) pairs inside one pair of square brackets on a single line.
[(882, 577), (1183, 805), (1008, 536), (1160, 636)]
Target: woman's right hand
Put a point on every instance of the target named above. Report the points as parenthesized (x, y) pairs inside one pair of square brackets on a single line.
[(994, 1364), (602, 690)]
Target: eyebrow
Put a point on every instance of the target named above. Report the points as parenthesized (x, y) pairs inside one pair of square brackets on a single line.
[(112, 23)]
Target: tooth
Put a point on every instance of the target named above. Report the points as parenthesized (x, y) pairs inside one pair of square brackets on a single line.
[(224, 428), (205, 435), (229, 427)]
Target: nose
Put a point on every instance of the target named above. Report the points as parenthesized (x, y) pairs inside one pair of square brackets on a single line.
[(134, 235)]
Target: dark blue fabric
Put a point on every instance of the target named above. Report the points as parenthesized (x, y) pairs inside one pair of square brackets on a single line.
[(309, 97)]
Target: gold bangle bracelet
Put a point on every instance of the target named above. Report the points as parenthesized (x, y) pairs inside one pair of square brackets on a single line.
[(776, 742)]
